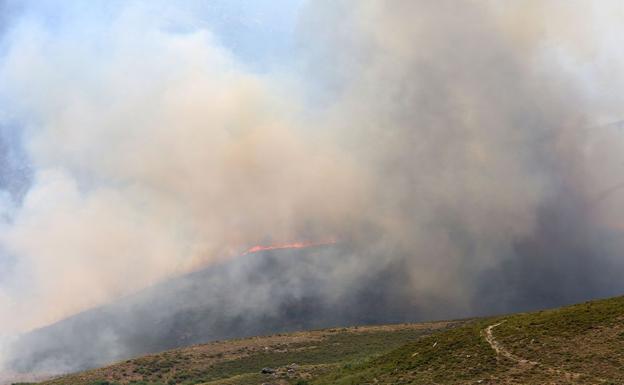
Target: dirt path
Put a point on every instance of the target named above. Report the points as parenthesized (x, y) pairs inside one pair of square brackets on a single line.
[(501, 350)]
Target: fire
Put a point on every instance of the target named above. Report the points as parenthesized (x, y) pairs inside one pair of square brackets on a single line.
[(295, 245)]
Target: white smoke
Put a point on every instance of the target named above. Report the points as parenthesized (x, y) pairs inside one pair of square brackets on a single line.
[(430, 132), (154, 152)]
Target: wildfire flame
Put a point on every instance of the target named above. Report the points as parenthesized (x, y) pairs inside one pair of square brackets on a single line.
[(295, 245)]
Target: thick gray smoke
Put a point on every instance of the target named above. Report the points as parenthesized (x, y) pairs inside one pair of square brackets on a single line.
[(285, 290), (490, 172), (461, 153)]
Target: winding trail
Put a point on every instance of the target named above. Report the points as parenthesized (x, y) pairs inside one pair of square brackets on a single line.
[(501, 350)]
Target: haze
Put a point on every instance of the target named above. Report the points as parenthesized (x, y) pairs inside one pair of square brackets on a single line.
[(477, 145)]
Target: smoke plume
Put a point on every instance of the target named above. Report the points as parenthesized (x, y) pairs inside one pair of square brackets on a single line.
[(462, 154)]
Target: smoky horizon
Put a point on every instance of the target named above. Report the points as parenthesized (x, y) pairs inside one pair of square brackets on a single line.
[(208, 166)]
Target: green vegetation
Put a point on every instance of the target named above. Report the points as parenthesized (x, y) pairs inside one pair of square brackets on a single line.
[(448, 357), (296, 358), (335, 348), (580, 344)]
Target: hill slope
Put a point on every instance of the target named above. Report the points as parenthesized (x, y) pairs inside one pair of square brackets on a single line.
[(295, 357), (275, 291), (579, 344), (257, 294)]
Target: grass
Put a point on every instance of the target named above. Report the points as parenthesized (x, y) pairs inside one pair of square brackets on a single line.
[(587, 338), (239, 362), (579, 344), (448, 357)]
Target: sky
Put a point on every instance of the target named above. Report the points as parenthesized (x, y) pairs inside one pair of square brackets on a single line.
[(474, 144), (259, 33)]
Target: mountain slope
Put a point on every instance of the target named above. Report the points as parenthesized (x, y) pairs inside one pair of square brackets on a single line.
[(257, 294), (579, 344), (300, 355)]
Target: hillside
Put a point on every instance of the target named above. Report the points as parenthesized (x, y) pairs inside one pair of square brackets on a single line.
[(296, 356), (265, 293), (579, 344)]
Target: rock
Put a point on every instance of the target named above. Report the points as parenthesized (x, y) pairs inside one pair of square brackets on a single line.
[(267, 371)]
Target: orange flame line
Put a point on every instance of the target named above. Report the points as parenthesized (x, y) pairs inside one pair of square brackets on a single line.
[(295, 245)]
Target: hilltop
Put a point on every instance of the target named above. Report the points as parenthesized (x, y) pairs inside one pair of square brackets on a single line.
[(578, 344)]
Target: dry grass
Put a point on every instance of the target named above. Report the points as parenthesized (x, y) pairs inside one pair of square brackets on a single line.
[(580, 344), (239, 361)]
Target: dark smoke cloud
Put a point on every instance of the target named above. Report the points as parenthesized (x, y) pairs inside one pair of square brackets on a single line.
[(484, 170), (571, 255), (457, 150), (284, 290)]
